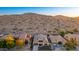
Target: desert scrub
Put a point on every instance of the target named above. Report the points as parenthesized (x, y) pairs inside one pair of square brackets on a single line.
[(62, 33), (71, 44)]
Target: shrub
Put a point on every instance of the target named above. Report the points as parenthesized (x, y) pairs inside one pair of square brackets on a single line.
[(20, 43), (10, 41), (70, 44), (62, 33), (1, 43), (10, 44)]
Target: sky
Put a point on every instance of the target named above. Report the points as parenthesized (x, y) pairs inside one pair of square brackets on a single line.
[(66, 11)]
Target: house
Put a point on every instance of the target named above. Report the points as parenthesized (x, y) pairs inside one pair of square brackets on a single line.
[(56, 39), (73, 36), (40, 39)]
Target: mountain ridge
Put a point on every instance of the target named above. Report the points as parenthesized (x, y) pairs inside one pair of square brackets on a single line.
[(30, 13), (36, 23)]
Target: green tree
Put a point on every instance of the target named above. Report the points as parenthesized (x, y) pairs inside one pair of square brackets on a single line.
[(1, 43), (62, 33), (10, 44), (71, 44)]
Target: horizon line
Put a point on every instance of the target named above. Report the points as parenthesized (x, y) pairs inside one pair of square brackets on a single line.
[(37, 13)]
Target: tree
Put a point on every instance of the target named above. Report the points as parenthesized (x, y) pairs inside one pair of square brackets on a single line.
[(20, 43), (62, 33), (1, 43), (9, 41), (70, 44), (31, 41)]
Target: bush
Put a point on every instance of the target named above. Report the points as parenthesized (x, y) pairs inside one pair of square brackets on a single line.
[(4, 44), (20, 43), (70, 44), (62, 33), (10, 44), (1, 44), (9, 41)]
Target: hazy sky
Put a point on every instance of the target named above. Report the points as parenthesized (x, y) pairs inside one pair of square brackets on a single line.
[(67, 11)]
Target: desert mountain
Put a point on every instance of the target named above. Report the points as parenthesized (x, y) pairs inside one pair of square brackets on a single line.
[(36, 23)]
